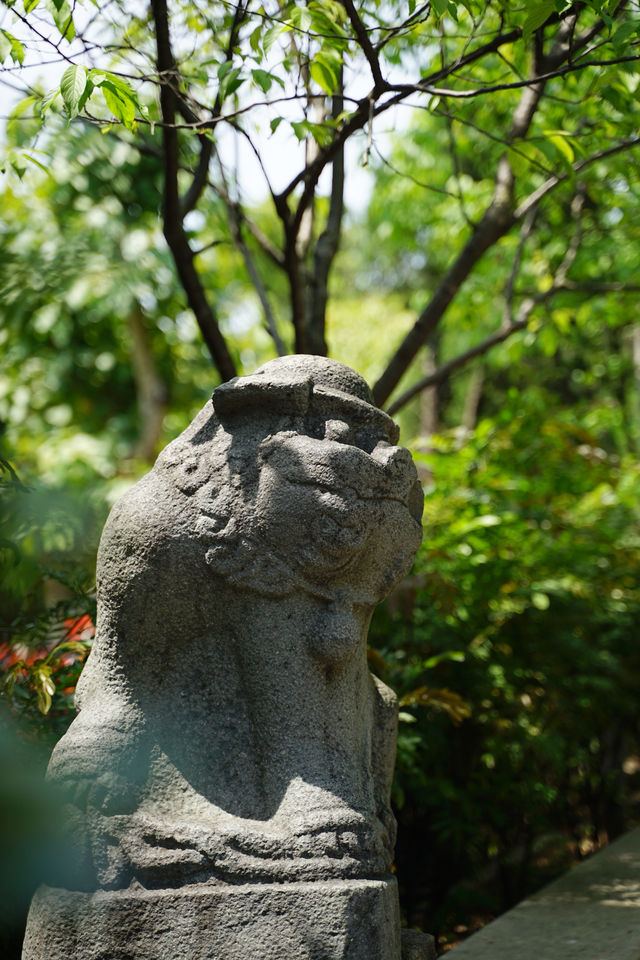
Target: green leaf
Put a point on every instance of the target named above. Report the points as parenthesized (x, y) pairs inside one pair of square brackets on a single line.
[(5, 46), (561, 141), (623, 34), (548, 340), (46, 101), (271, 35), (322, 76), (321, 133), (303, 128), (275, 123), (224, 69), (255, 38), (538, 14), (10, 46), (404, 717), (263, 79), (119, 96), (233, 85), (439, 7), (37, 163), (300, 128), (16, 161), (301, 18), (457, 656), (121, 106), (88, 90), (30, 5), (481, 522), (325, 69), (72, 87), (232, 80), (62, 17), (540, 601), (615, 97)]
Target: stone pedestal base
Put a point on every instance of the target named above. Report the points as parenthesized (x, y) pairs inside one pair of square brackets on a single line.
[(328, 920)]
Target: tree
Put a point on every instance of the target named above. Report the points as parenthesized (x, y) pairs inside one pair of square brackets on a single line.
[(536, 103)]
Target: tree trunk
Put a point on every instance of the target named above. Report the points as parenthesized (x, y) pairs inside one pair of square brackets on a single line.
[(473, 397), (429, 400), (153, 395)]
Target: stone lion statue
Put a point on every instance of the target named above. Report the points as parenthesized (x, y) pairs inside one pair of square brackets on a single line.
[(228, 728)]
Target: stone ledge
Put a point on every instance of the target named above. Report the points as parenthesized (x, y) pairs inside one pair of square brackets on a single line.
[(591, 913), (327, 920)]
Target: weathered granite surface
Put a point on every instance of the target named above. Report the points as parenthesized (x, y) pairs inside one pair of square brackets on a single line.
[(231, 761), (323, 920)]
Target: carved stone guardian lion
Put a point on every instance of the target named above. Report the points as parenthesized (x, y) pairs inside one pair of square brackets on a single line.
[(227, 777)]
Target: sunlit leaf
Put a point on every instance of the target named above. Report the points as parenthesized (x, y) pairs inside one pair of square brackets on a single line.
[(440, 7), (62, 17), (263, 79), (72, 87), (442, 699), (45, 102), (560, 140), (10, 46), (119, 101)]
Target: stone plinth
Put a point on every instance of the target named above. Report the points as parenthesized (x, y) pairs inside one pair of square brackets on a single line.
[(327, 920)]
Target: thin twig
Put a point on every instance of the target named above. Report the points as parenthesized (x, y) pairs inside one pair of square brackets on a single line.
[(525, 233)]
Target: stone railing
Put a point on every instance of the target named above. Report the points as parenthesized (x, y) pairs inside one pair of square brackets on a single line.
[(591, 913)]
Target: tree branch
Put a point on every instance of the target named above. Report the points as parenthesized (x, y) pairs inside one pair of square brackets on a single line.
[(263, 241), (534, 198), (380, 84), (560, 285), (448, 368), (235, 215), (172, 219), (522, 319), (326, 249), (235, 222), (361, 115), (497, 220), (418, 16), (525, 233), (515, 84), (200, 177), (201, 174)]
